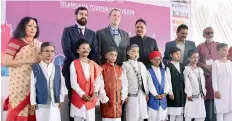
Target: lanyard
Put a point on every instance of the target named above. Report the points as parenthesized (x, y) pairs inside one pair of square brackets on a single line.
[(209, 48)]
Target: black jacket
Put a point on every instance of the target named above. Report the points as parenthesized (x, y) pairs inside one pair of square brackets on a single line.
[(177, 79), (146, 46), (69, 39)]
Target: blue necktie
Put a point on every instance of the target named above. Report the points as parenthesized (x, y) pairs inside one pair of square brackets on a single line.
[(115, 32)]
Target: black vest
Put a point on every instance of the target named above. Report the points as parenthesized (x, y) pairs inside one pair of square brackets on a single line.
[(178, 86)]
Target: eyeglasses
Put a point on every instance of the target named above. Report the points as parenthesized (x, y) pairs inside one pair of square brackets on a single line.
[(208, 33)]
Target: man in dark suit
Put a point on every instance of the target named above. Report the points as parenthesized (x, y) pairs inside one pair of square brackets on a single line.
[(180, 42), (70, 36), (112, 36), (146, 44)]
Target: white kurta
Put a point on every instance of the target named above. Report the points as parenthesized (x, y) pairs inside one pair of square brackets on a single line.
[(83, 113), (124, 93), (161, 114), (195, 108), (49, 112), (111, 119), (222, 82), (173, 110), (136, 107)]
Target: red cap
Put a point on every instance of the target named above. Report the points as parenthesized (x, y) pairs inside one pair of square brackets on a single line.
[(154, 54)]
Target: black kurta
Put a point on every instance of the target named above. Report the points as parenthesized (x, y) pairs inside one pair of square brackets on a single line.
[(177, 79), (146, 46)]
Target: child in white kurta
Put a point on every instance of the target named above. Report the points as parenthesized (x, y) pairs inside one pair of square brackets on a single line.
[(49, 111), (158, 87), (195, 89), (137, 75), (222, 84)]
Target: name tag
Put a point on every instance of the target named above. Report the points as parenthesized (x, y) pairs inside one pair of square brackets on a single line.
[(209, 62)]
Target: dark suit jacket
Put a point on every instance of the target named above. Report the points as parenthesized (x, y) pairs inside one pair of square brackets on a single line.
[(189, 45), (146, 46), (105, 40), (68, 42), (69, 39)]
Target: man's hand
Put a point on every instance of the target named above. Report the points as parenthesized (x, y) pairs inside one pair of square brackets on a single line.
[(86, 98), (171, 97), (61, 104), (217, 95), (35, 107), (190, 98)]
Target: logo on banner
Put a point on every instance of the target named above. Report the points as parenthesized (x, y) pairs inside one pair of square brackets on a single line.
[(95, 7), (180, 14), (179, 6), (177, 21)]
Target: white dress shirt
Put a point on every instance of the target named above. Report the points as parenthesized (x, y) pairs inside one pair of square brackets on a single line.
[(82, 28)]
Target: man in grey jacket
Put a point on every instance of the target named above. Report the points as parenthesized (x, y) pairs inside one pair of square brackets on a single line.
[(180, 42), (112, 36)]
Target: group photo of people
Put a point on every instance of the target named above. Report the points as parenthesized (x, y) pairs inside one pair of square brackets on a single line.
[(124, 78)]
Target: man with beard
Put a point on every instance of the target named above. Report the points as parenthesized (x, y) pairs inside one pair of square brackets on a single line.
[(208, 53), (70, 36), (180, 42), (112, 36), (145, 43)]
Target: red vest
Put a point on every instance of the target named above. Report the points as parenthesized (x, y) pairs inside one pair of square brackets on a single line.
[(113, 88), (86, 86)]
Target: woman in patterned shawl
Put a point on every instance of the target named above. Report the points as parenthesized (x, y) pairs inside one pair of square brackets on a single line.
[(22, 51)]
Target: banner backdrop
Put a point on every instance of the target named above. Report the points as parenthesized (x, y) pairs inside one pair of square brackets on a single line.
[(180, 14), (53, 16)]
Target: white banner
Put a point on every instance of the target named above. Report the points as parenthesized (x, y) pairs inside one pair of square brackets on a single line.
[(180, 14)]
